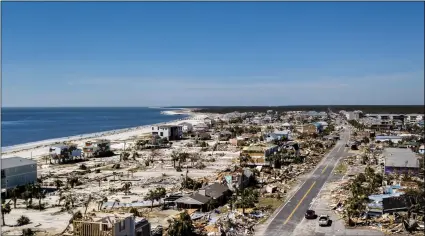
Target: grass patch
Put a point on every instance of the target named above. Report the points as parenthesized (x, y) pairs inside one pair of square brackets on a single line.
[(341, 168), (268, 201)]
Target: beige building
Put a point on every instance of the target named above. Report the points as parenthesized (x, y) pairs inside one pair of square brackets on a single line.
[(256, 154), (307, 129)]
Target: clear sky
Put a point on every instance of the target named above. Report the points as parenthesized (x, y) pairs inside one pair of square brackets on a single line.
[(216, 53)]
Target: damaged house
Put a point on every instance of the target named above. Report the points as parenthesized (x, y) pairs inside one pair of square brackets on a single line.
[(170, 132), (207, 197), (112, 225), (255, 155)]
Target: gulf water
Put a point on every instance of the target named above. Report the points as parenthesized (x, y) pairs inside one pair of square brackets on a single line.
[(24, 125)]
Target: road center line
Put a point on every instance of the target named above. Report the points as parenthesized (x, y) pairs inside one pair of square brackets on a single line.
[(299, 203)]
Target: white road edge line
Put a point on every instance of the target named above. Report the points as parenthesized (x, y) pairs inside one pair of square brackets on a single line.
[(308, 177)]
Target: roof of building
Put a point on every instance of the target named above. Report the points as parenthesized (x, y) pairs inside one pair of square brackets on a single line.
[(259, 147), (286, 124), (282, 132), (185, 123), (324, 123), (317, 124), (15, 162), (215, 190), (194, 199), (400, 157), (201, 125), (168, 126)]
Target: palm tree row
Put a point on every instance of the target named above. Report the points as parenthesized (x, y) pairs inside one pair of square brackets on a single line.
[(181, 157)]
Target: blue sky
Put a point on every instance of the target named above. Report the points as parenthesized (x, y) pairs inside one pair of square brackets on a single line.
[(215, 53)]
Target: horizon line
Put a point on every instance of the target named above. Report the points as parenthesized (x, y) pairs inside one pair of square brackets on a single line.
[(154, 107)]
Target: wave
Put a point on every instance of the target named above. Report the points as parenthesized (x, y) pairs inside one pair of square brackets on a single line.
[(14, 122)]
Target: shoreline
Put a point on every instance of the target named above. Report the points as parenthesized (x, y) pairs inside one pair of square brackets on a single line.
[(9, 151)]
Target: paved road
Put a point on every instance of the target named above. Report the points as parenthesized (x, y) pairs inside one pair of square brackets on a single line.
[(291, 214)]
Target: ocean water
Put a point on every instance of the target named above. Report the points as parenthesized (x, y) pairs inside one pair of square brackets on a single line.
[(24, 125)]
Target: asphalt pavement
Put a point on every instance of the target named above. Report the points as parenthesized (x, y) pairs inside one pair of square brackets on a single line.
[(291, 214)]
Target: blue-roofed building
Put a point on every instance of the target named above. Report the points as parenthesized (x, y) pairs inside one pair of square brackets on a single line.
[(319, 127), (375, 206)]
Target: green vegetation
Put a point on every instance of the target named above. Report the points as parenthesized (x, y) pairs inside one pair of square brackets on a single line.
[(273, 203), (341, 168), (182, 226)]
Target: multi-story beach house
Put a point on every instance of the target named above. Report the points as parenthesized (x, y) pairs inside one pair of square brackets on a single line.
[(97, 147), (256, 154), (170, 132), (186, 127), (17, 171)]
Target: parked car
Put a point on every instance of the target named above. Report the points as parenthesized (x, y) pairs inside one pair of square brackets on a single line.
[(324, 220), (310, 214)]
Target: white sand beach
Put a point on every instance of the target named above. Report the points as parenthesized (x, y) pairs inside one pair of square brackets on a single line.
[(37, 149)]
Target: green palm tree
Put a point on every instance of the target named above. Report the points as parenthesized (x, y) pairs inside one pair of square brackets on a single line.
[(126, 187), (14, 195), (5, 209), (183, 157), (248, 197), (151, 196), (28, 194), (194, 158), (182, 226), (40, 194), (174, 157)]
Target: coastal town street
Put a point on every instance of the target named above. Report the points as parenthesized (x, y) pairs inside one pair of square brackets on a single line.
[(292, 212)]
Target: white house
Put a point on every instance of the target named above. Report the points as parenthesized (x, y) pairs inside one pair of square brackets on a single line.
[(17, 171), (186, 127), (352, 115), (170, 132), (60, 149)]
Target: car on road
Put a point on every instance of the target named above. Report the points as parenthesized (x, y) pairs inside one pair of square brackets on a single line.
[(310, 214), (324, 220)]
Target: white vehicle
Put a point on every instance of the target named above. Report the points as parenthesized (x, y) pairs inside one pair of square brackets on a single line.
[(324, 220)]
